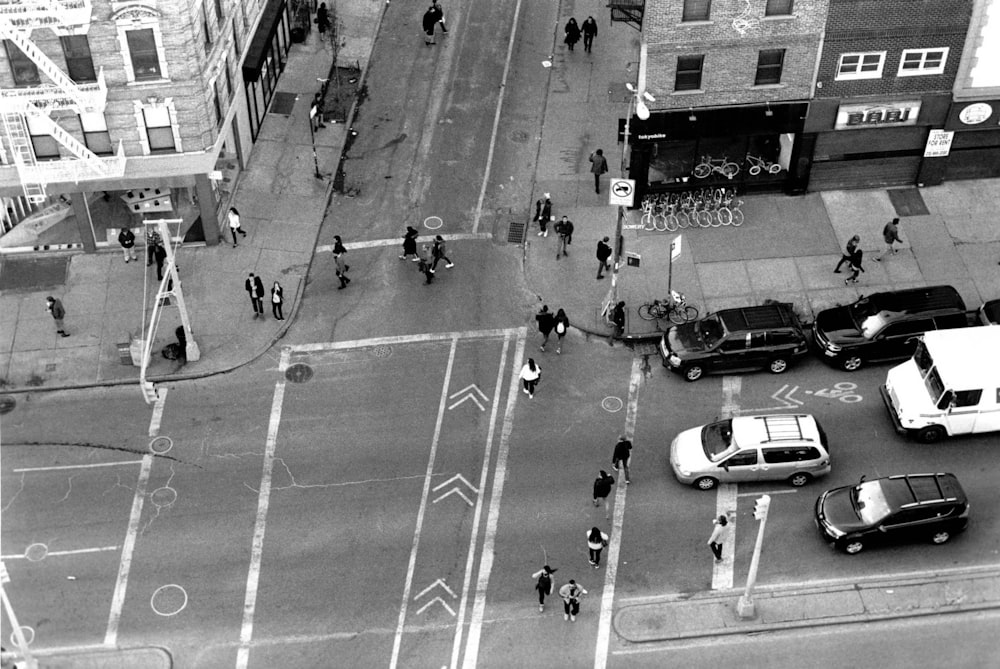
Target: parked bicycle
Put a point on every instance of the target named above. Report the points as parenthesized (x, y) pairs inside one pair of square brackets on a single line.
[(675, 308), (758, 165), (710, 165)]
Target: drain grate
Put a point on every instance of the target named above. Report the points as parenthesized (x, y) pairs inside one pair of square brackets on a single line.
[(516, 232), (382, 351)]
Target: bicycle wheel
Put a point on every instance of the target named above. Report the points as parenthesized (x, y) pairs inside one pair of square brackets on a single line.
[(646, 312), (725, 216), (702, 170), (774, 168), (755, 170), (672, 222), (737, 217), (647, 222), (716, 219), (690, 313), (704, 219), (729, 170)]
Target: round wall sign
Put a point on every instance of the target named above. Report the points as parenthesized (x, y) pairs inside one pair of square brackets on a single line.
[(975, 113)]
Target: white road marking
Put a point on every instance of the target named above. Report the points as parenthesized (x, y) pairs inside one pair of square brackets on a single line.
[(379, 243), (614, 546), (125, 563), (725, 498), (93, 464), (78, 551), (424, 493), (286, 360), (783, 491), (260, 523), (493, 516)]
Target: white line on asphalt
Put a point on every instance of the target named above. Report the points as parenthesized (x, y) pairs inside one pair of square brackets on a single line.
[(614, 546), (401, 339), (725, 497), (380, 243), (93, 464), (783, 491), (483, 479), (493, 517), (77, 551), (125, 563), (424, 494), (260, 523)]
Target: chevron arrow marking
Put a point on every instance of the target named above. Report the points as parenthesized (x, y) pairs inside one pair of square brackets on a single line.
[(469, 393)]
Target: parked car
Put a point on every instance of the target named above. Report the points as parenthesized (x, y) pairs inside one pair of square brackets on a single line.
[(893, 510), (989, 313), (885, 326), (743, 339), (781, 447)]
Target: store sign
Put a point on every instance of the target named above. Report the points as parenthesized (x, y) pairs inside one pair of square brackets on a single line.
[(938, 143), (880, 115), (975, 113)]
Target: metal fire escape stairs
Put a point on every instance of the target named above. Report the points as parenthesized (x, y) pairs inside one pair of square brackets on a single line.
[(18, 18)]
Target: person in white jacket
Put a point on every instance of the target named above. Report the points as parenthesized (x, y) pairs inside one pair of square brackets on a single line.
[(720, 534), (596, 541), (571, 593), (530, 375)]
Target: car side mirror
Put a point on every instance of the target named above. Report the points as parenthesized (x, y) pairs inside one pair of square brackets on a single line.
[(725, 465)]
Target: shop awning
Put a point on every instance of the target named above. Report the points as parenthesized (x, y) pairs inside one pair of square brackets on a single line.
[(261, 42)]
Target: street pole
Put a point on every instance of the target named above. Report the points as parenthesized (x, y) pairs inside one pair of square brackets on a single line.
[(18, 633), (745, 606), (312, 139), (191, 350)]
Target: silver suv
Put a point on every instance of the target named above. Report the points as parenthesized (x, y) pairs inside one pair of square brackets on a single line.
[(790, 447)]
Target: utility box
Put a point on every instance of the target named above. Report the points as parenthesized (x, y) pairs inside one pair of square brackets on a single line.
[(125, 353)]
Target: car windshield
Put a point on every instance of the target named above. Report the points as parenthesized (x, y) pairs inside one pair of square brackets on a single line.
[(711, 330), (717, 439), (923, 359), (869, 502)]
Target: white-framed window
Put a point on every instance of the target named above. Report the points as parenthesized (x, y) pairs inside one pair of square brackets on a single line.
[(43, 144), (916, 62), (95, 133), (157, 125), (861, 65), (141, 44)]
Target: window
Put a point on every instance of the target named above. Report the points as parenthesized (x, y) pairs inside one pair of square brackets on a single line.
[(915, 62), (907, 328), (782, 338), (158, 129), (236, 38), (967, 398), (734, 344), (861, 65), (79, 64), (688, 73), (769, 64), (793, 454), (948, 321), (757, 340), (24, 71), (778, 8), (696, 10), (142, 50), (95, 133), (44, 145), (742, 459)]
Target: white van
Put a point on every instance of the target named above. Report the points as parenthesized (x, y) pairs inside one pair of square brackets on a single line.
[(950, 386)]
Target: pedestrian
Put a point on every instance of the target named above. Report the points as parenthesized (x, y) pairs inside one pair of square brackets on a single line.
[(153, 240), (429, 21), (530, 375), (127, 239), (855, 266), (571, 593), (546, 322), (598, 166), (720, 534), (160, 255), (234, 224), (255, 288), (277, 299), (603, 254), (543, 214), (425, 264), (440, 15), (618, 319), (602, 488), (852, 246), (564, 228), (339, 253), (622, 456), (316, 117), (572, 31), (55, 307), (410, 244), (589, 29), (440, 252), (596, 542), (561, 327), (322, 18), (543, 584), (890, 235)]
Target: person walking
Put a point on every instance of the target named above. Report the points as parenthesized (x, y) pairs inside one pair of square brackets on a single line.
[(546, 322), (572, 31), (316, 114), (596, 541), (127, 239), (55, 307), (234, 224), (603, 254), (564, 228), (852, 246), (622, 456), (425, 264), (153, 240), (543, 584), (428, 22), (543, 214), (618, 318), (571, 593), (589, 30), (855, 266), (255, 288), (277, 299), (439, 251), (440, 15), (322, 19), (598, 166), (890, 235), (159, 255), (602, 488), (410, 244), (561, 327), (340, 259), (530, 375), (720, 534)]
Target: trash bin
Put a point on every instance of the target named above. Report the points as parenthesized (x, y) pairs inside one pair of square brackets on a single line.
[(298, 35)]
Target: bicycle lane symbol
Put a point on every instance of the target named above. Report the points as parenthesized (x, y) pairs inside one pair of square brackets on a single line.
[(843, 391), (785, 395)]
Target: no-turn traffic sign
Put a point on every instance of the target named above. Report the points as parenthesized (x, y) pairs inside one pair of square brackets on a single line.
[(622, 192)]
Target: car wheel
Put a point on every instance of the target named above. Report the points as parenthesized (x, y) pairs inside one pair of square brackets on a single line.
[(940, 537), (705, 483), (778, 365), (693, 373), (931, 434), (853, 547), (852, 363), (800, 479)]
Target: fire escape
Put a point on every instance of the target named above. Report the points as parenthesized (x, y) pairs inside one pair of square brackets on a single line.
[(18, 18)]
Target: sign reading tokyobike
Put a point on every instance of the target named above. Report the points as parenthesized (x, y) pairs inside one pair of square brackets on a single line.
[(877, 115)]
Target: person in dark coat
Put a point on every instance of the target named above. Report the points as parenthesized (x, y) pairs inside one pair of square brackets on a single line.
[(852, 246), (439, 12), (543, 584), (127, 239), (618, 318), (429, 21), (440, 252), (572, 31), (855, 266), (603, 254), (322, 18), (255, 288), (546, 322), (55, 307), (602, 488), (598, 166), (410, 244), (426, 261), (543, 214), (159, 254), (622, 456), (277, 300), (340, 258), (561, 327), (589, 30)]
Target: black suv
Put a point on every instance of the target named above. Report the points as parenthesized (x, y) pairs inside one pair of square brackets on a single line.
[(748, 338), (885, 326), (895, 509)]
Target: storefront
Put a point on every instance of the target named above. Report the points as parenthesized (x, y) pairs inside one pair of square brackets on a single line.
[(749, 148), (265, 61), (975, 145)]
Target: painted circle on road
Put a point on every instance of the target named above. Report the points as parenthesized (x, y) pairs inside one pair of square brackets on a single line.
[(29, 636), (168, 600), (612, 404), (161, 445), (36, 552), (433, 222), (162, 497)]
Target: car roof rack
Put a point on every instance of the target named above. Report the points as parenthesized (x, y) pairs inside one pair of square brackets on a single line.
[(782, 428)]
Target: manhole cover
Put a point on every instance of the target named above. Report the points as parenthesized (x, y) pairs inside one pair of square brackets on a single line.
[(382, 351), (299, 373), (7, 404), (519, 136)]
